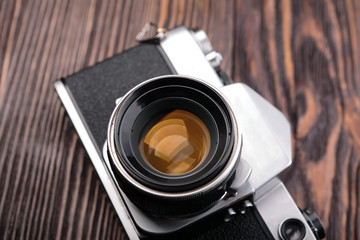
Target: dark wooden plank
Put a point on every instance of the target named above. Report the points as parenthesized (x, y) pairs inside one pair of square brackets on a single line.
[(303, 56)]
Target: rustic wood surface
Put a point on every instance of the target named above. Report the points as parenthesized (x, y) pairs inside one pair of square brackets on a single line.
[(303, 56)]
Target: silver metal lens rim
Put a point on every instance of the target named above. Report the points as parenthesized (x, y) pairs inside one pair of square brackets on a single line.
[(214, 183)]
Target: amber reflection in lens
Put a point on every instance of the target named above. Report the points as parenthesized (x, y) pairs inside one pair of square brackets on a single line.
[(177, 144)]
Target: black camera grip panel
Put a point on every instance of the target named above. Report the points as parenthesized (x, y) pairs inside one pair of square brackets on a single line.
[(95, 89), (248, 225)]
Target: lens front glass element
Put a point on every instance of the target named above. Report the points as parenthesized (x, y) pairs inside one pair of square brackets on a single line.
[(177, 144)]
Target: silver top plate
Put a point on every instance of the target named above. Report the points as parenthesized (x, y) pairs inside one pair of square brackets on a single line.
[(187, 58), (265, 131), (276, 206)]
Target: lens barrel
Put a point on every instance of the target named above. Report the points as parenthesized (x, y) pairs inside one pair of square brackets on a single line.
[(173, 145)]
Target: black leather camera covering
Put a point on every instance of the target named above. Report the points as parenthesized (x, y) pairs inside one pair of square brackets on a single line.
[(94, 91)]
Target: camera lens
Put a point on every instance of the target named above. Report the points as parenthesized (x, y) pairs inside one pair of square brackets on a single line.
[(292, 229), (173, 145), (177, 144)]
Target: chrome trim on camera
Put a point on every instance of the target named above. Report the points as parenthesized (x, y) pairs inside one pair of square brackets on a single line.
[(187, 57), (265, 130), (271, 207), (231, 164), (203, 41), (96, 159)]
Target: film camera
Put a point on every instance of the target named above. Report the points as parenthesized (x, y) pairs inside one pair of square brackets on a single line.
[(184, 151)]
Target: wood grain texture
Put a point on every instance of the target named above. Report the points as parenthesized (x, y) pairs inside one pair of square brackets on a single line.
[(303, 56)]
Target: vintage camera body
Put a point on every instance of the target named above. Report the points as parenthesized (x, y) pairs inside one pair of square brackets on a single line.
[(249, 202)]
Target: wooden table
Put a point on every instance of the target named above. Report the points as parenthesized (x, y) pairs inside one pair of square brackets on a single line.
[(303, 56)]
